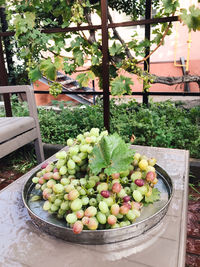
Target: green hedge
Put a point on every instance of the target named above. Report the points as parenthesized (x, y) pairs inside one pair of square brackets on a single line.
[(164, 124)]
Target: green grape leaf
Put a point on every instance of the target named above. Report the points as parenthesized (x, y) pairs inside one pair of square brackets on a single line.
[(170, 6), (154, 196), (95, 60), (121, 85), (192, 19), (111, 154), (35, 74), (78, 56), (115, 49), (84, 78), (48, 69)]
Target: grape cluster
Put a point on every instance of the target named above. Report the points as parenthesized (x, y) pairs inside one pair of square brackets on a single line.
[(131, 66), (55, 89), (77, 12), (88, 201)]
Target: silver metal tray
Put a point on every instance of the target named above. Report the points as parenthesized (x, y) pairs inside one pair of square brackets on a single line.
[(150, 216)]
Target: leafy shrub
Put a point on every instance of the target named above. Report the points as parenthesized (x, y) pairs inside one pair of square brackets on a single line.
[(161, 124)]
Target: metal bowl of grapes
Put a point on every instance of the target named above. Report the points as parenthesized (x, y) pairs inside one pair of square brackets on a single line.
[(99, 191)]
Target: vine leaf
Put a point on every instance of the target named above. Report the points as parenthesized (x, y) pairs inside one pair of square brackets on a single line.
[(154, 196), (84, 78), (192, 20), (48, 69), (35, 74), (115, 49), (121, 85), (111, 154)]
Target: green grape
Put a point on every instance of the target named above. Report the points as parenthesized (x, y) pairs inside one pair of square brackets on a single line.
[(142, 189), (137, 195), (63, 181), (35, 180), (85, 200), (94, 132), (58, 202), (90, 184), (54, 208), (47, 205), (71, 164), (64, 205), (61, 155), (131, 215), (72, 171), (122, 193), (70, 142), (58, 188), (93, 202), (127, 190), (71, 218), (76, 204), (60, 163), (102, 187), (82, 192), (44, 186), (103, 207), (124, 173), (101, 217), (114, 226), (83, 181), (109, 201), (55, 89), (73, 150), (76, 159), (90, 191), (63, 170)]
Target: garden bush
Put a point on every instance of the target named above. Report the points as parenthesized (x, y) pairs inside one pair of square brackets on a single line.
[(163, 124)]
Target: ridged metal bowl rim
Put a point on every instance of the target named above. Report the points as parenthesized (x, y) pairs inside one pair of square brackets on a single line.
[(167, 180)]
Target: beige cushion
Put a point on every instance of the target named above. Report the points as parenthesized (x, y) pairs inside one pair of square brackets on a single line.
[(13, 126)]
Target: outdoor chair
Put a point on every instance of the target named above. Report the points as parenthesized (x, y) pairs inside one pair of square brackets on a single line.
[(16, 132)]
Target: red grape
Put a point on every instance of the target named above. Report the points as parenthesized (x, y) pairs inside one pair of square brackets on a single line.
[(73, 194), (150, 176), (93, 224), (115, 209), (85, 220), (55, 170), (90, 211), (48, 175), (77, 227), (41, 180), (56, 176), (135, 205), (43, 166), (105, 193), (80, 214), (112, 219), (126, 198), (124, 209), (127, 204), (139, 182), (116, 188), (115, 175)]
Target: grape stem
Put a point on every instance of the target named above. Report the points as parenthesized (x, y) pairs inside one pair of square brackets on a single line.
[(107, 179)]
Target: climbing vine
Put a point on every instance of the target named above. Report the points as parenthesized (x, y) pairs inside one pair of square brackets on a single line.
[(45, 54)]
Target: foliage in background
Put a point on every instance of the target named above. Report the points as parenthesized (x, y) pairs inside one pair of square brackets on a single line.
[(163, 124), (28, 18)]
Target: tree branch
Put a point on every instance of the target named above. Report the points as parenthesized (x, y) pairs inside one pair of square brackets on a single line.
[(92, 38), (176, 80), (116, 34)]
